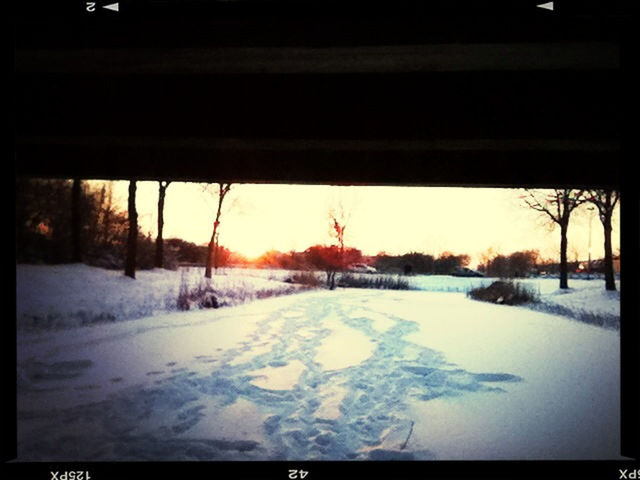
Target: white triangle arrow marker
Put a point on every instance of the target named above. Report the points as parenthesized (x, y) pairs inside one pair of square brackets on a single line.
[(112, 6), (546, 6)]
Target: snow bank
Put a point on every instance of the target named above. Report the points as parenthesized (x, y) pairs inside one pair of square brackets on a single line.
[(587, 296), (447, 283), (585, 300), (77, 294)]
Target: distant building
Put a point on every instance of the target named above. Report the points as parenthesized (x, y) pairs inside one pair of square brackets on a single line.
[(466, 272), (597, 266), (361, 268)]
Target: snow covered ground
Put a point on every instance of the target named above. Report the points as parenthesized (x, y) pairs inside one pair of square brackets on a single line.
[(320, 375), (72, 295), (77, 294), (584, 300)]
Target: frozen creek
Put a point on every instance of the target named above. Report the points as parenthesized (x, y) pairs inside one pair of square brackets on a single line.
[(344, 375)]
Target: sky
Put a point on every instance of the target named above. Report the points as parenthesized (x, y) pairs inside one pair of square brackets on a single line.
[(396, 220)]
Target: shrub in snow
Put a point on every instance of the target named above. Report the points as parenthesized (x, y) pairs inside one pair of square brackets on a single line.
[(508, 293), (226, 290), (200, 296), (304, 278), (273, 292), (386, 282)]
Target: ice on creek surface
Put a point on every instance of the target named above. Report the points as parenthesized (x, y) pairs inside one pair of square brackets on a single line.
[(345, 346), (329, 409), (393, 445), (278, 377), (380, 322), (514, 426), (242, 421), (251, 352), (322, 376), (90, 370)]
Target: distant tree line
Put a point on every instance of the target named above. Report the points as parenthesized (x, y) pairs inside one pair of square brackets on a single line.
[(420, 263), (517, 264), (330, 259), (334, 258), (285, 260), (180, 252)]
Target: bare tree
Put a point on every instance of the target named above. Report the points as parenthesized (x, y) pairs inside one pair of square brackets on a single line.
[(223, 189), (106, 215), (605, 201), (162, 191), (338, 219), (339, 234), (132, 239), (557, 205)]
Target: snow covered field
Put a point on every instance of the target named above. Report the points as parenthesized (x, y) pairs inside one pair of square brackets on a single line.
[(71, 295), (585, 300), (77, 294), (320, 375)]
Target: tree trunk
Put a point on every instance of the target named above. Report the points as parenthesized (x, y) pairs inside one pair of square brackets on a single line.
[(331, 280), (105, 238), (132, 240), (609, 279), (76, 221), (162, 189), (216, 248), (211, 250), (563, 256)]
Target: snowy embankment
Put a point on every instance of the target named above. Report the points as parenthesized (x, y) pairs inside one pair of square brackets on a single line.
[(585, 300), (77, 294)]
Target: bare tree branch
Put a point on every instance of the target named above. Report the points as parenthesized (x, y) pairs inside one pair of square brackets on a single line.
[(534, 203)]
